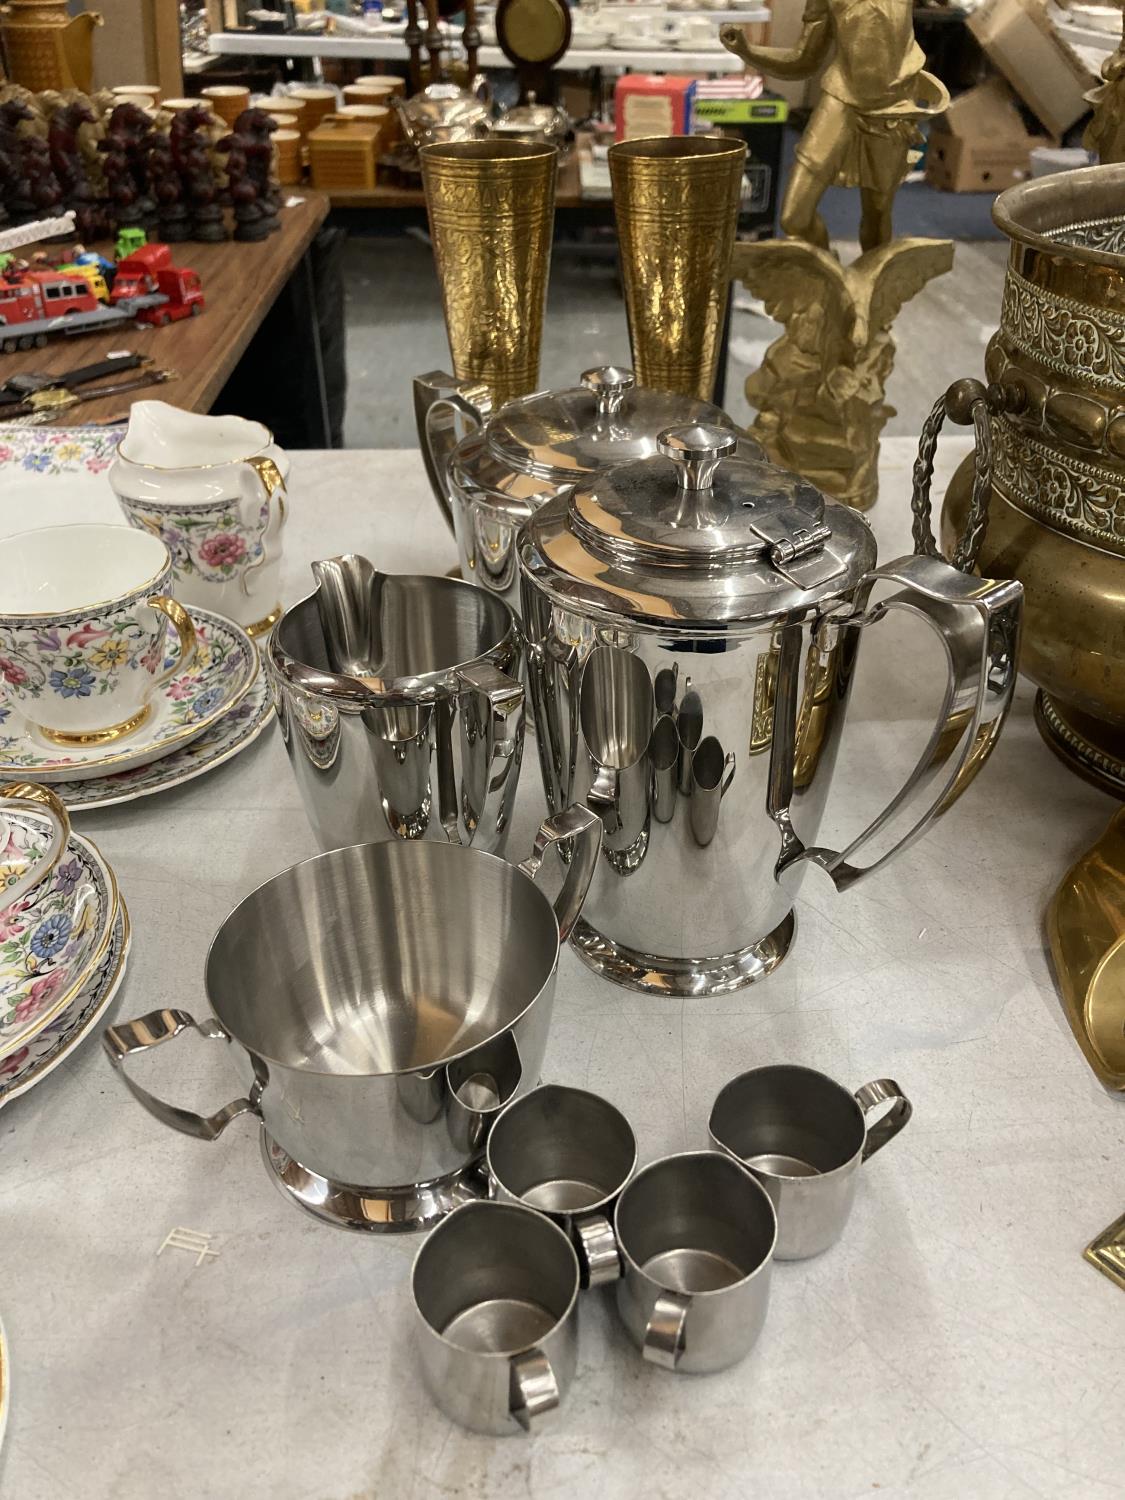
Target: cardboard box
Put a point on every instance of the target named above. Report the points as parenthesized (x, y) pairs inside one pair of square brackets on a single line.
[(1019, 39), (653, 104), (980, 144)]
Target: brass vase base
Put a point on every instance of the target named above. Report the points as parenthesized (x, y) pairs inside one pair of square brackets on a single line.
[(383, 1210), (1095, 750), (1086, 933), (654, 975), (1107, 1252)]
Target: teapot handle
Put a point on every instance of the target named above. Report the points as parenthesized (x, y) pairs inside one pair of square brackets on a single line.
[(580, 831), (445, 411), (978, 621)]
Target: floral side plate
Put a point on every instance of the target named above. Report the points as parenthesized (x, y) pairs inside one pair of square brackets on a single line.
[(50, 938), (219, 676), (225, 739), (28, 1065)]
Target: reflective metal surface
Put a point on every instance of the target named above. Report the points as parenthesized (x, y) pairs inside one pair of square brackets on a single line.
[(384, 1002), (443, 112), (1086, 931), (693, 622), (804, 1137), (495, 1291), (491, 207), (567, 1153), (491, 471), (400, 708), (676, 202), (696, 1235)]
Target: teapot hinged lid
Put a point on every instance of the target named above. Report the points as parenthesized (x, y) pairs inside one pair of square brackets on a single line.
[(701, 505), (605, 420)]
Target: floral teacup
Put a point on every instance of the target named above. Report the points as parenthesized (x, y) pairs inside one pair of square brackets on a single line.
[(83, 616), (213, 490), (30, 848)]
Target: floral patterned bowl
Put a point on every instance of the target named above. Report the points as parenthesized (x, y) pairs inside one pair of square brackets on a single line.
[(52, 938)]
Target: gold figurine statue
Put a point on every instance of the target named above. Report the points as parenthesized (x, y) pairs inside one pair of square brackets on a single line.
[(819, 391), (865, 124), (1105, 133)]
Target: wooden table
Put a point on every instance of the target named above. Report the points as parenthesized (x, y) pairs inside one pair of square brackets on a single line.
[(240, 283)]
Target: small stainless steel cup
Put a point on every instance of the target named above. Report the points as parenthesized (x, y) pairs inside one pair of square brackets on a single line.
[(711, 775), (804, 1137), (496, 1292), (689, 724), (696, 1236), (664, 753), (567, 1153)]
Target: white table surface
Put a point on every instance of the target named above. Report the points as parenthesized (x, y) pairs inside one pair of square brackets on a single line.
[(651, 59), (954, 1344)]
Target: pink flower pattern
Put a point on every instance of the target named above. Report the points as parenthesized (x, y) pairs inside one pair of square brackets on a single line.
[(222, 550)]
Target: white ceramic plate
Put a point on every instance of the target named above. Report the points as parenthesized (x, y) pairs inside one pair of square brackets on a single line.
[(232, 734), (224, 667), (23, 1069)]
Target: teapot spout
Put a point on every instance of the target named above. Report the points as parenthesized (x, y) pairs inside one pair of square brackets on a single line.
[(78, 47)]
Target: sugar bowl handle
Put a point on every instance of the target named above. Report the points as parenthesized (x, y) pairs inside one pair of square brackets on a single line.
[(580, 831), (978, 621), (445, 411), (127, 1037)]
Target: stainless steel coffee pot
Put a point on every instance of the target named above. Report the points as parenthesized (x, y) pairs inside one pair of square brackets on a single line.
[(693, 622), (491, 471), (400, 707)]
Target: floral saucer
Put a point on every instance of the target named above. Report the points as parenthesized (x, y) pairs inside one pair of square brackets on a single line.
[(28, 1065), (225, 739), (50, 938), (219, 676)]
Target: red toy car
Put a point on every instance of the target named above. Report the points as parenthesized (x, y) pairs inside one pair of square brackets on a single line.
[(184, 293)]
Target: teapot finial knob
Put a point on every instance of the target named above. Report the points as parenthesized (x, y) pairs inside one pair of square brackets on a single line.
[(696, 450), (609, 384)]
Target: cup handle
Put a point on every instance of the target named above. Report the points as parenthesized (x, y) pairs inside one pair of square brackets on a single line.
[(581, 829), (869, 1097), (533, 1391), (598, 1258), (172, 610), (272, 481), (50, 803), (445, 410), (664, 1340), (728, 773), (126, 1037)]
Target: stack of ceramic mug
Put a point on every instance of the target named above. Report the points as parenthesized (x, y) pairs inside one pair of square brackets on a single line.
[(128, 651), (64, 935)]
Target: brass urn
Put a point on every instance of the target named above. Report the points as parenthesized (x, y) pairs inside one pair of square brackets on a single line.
[(46, 47), (1056, 513)]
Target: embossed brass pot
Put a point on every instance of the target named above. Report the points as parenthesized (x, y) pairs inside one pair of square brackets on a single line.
[(1056, 519), (491, 206), (676, 201)]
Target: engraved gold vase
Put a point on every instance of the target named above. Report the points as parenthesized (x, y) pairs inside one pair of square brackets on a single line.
[(491, 206), (676, 199), (1057, 513)]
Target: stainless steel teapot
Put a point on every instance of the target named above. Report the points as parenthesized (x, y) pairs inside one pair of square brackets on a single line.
[(491, 471), (693, 622)]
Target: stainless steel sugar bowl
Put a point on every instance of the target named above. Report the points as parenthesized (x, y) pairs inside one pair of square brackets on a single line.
[(382, 1004), (400, 706), (490, 471), (693, 623)]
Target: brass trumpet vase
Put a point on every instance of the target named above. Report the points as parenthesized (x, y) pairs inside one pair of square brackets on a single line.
[(491, 207), (1056, 518), (676, 200)]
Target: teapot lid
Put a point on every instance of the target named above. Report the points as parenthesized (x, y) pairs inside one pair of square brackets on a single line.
[(606, 420), (701, 533)]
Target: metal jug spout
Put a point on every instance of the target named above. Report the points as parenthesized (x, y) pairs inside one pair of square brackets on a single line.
[(347, 601)]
